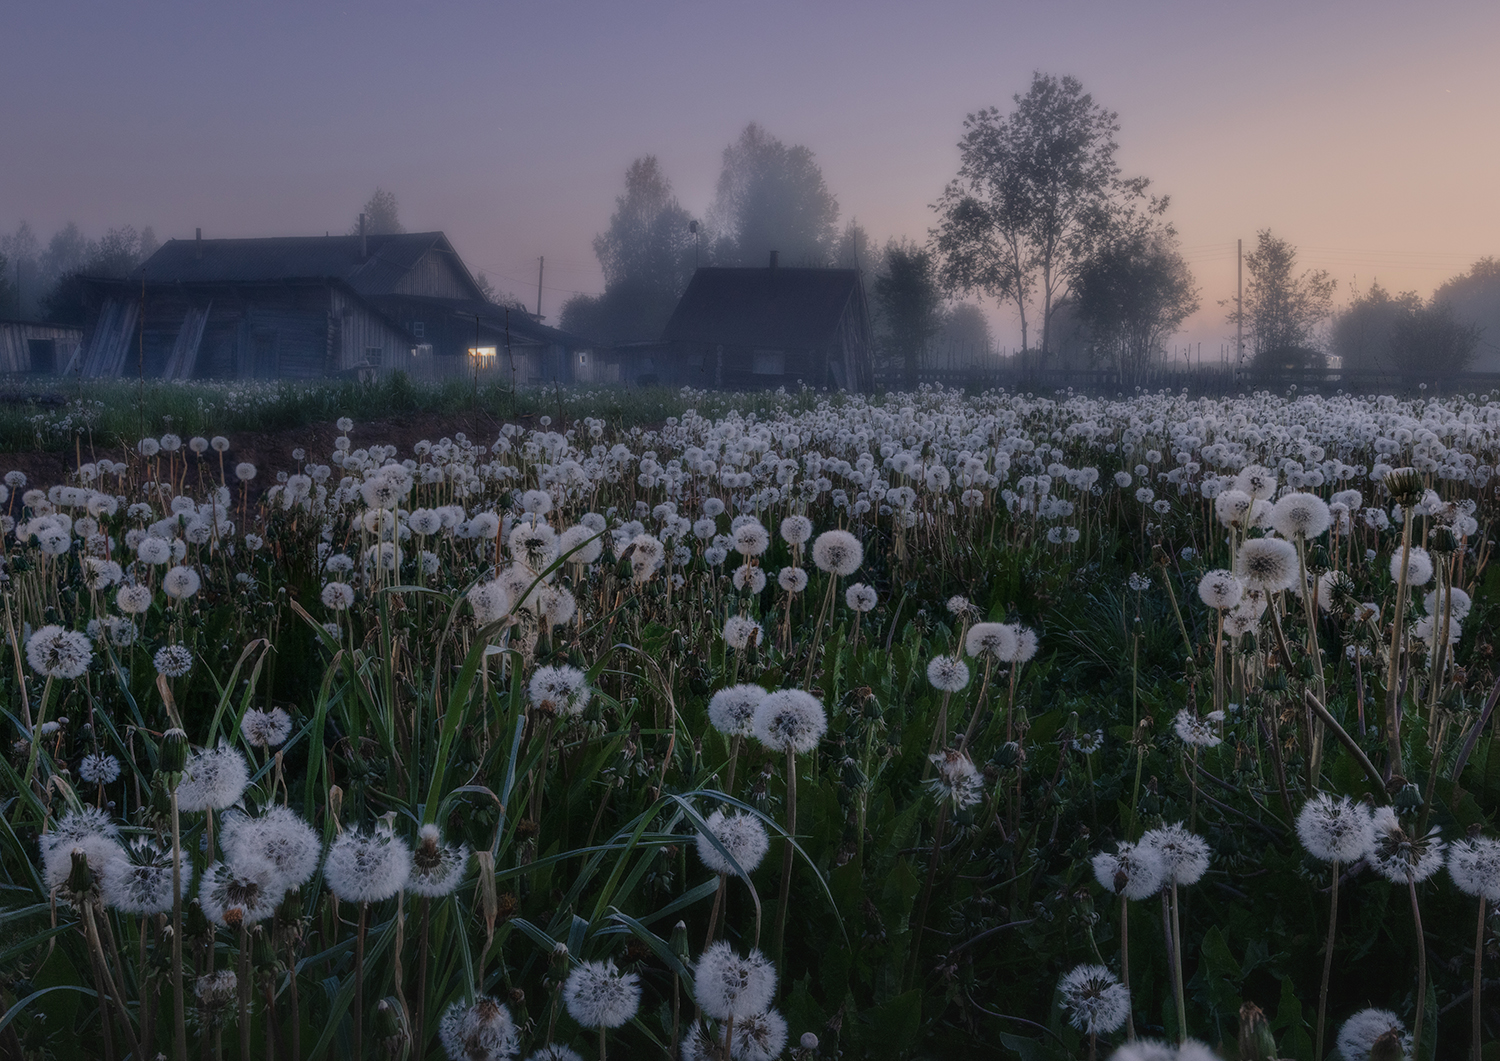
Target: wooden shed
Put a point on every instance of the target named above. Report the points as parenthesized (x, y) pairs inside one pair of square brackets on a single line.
[(36, 346), (772, 327)]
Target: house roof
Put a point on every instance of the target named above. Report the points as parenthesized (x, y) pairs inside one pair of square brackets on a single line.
[(493, 316), (775, 308), (389, 258)]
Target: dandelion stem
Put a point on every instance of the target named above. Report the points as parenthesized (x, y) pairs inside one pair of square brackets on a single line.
[(1478, 957), (1393, 666), (180, 1006), (243, 986), (1182, 1032), (1333, 920), (1416, 915), (359, 982), (1125, 963), (786, 856)]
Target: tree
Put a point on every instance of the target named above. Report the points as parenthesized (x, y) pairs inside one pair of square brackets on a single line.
[(648, 254), (382, 216), (115, 256), (1361, 333), (965, 330), (23, 253), (910, 304), (1282, 308), (7, 289), (1134, 292), (1035, 190), (1431, 342), (1475, 297), (771, 197)]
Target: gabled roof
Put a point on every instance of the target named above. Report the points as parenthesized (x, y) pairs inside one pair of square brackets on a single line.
[(776, 308), (227, 261)]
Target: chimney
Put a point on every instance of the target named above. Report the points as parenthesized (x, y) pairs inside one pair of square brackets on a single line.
[(364, 249), (198, 243), (774, 256)]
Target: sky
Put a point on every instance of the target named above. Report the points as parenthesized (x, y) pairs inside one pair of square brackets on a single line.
[(1363, 132)]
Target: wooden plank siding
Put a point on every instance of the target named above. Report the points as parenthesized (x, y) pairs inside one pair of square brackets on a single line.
[(54, 343)]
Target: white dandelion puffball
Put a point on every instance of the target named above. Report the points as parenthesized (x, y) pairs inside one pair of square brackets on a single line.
[(1134, 871), (731, 711), (1026, 643), (790, 720), (212, 779), (483, 1031), (580, 544), (861, 598), (1459, 603), (99, 769), (563, 690), (1234, 508), (1184, 855), (1268, 564), (242, 888), (956, 778), (757, 1037), (748, 579), (90, 831), (1198, 732), (1357, 1036), (598, 995), (739, 631), (57, 653), (1258, 482), (1300, 514), (139, 880), (792, 579), (993, 642), (727, 985), (556, 1052), (751, 539), (1474, 866), (366, 867), (1401, 856), (1418, 567), (490, 601), (153, 551), (338, 596), (838, 552), (948, 674), (796, 530), (437, 868), (1096, 1001), (244, 471), (280, 837), (1220, 589), (741, 834), (180, 583), (1335, 829), (172, 661)]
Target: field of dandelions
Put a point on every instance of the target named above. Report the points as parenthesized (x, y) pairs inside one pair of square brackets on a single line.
[(929, 726)]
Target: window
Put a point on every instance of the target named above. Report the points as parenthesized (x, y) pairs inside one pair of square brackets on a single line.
[(374, 355), (583, 357), (768, 363), (482, 356), (419, 329)]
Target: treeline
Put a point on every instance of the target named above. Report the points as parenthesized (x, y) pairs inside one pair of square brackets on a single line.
[(45, 282)]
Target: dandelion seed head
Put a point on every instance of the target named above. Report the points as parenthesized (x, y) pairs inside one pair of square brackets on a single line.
[(138, 880), (1184, 855), (597, 995), (366, 866), (1134, 871), (1197, 732), (1358, 1035), (54, 652), (1335, 829), (861, 598), (243, 888), (1474, 866), (172, 661), (281, 837), (728, 984), (482, 1031), (731, 710), (1418, 566), (741, 834), (790, 720), (212, 779), (437, 868), (1096, 1001), (739, 630), (1300, 515), (1401, 856), (1268, 564), (838, 552), (948, 674), (1220, 589)]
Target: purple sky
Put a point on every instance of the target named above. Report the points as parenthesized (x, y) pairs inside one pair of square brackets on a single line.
[(1366, 132)]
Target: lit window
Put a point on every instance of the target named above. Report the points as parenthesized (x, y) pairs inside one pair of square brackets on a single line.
[(482, 356)]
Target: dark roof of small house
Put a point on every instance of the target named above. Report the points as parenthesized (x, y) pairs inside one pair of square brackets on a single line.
[(21, 322), (778, 308), (227, 261), (492, 315)]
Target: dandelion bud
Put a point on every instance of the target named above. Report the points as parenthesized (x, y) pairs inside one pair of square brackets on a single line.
[(1256, 1041), (174, 751), (560, 961), (390, 1025), (809, 1041), (679, 942), (81, 878)]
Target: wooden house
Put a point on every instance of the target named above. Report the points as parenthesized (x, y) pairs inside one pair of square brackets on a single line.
[(764, 328), (302, 307), (36, 346)]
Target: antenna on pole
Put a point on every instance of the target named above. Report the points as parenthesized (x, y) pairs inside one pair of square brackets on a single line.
[(541, 264)]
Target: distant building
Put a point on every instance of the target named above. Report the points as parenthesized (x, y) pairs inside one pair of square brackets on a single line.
[(36, 346), (305, 307), (764, 328)]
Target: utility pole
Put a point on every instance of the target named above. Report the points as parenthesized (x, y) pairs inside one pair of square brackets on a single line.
[(1239, 306), (541, 263)]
